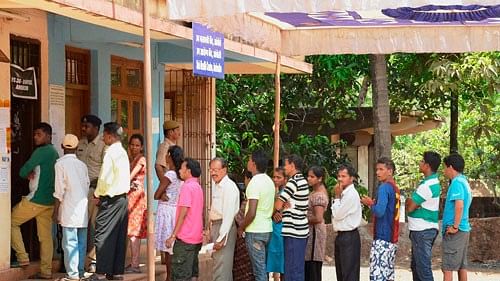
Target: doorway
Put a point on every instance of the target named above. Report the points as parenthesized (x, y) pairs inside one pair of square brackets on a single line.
[(24, 115), (77, 88)]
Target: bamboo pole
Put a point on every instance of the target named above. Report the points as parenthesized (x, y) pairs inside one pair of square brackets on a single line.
[(277, 108), (149, 141)]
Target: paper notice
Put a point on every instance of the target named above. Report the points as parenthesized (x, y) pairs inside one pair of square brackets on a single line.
[(4, 178), (4, 117), (3, 141)]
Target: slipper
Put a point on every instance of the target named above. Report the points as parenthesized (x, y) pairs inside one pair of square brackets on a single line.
[(132, 269), (94, 277), (40, 276)]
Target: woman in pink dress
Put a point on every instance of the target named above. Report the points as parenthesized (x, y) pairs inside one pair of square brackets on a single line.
[(167, 194), (137, 213)]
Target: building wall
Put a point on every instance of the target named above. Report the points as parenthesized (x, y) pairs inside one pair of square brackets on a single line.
[(35, 28), (102, 43)]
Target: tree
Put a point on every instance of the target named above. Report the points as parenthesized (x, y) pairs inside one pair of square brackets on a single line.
[(381, 109)]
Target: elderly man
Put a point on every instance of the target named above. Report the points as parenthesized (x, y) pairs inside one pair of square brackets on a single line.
[(111, 198), (225, 206)]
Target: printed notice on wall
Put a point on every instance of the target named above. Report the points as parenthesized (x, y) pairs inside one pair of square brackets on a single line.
[(3, 141), (4, 117), (155, 124), (4, 175), (208, 52), (56, 95), (56, 111)]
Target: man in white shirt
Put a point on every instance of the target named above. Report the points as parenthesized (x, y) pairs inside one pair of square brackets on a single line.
[(225, 206), (346, 217), (71, 207)]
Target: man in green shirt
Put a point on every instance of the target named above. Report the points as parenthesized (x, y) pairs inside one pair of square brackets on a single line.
[(39, 203), (423, 210)]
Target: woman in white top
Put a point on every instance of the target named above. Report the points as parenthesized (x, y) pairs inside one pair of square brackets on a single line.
[(167, 194)]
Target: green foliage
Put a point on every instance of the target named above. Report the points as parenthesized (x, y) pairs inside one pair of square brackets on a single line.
[(417, 82), (245, 104)]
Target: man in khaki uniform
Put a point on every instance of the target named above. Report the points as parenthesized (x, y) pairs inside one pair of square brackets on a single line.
[(172, 132), (90, 151)]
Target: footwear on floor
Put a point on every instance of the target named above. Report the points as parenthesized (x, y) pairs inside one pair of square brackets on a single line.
[(67, 279), (132, 269), (114, 277), (92, 267)]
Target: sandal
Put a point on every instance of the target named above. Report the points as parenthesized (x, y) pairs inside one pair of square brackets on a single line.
[(132, 269)]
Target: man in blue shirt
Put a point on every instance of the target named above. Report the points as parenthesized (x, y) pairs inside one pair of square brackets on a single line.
[(386, 222), (456, 227)]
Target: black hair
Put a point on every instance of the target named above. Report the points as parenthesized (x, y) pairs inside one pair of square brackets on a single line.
[(113, 128), (280, 170), (248, 174), (45, 127), (177, 156), (194, 166), (261, 160), (318, 171), (456, 161), (222, 161), (350, 170), (165, 131), (296, 161), (138, 137), (433, 159), (389, 164)]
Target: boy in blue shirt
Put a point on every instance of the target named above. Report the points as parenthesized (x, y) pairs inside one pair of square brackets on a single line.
[(456, 227), (385, 212)]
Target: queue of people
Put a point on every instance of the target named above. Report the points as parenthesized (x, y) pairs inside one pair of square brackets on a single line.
[(95, 192)]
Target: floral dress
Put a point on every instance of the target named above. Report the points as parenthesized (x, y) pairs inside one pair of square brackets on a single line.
[(137, 212), (165, 214)]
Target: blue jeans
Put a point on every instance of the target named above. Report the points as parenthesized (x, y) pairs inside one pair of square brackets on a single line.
[(295, 252), (421, 254), (257, 245), (74, 243)]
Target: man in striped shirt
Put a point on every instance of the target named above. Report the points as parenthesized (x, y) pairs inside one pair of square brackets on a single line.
[(295, 225), (423, 210)]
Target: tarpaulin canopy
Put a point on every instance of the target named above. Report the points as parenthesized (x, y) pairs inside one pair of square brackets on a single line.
[(352, 27)]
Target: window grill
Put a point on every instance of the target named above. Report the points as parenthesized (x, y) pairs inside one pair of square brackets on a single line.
[(192, 100), (77, 67)]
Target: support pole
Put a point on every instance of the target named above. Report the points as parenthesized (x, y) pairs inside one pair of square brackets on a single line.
[(149, 141), (277, 108)]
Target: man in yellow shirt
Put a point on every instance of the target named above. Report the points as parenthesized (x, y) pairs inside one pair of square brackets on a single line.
[(111, 198)]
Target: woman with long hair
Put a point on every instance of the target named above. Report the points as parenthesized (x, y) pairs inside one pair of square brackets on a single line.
[(167, 194), (275, 261), (316, 243), (137, 213)]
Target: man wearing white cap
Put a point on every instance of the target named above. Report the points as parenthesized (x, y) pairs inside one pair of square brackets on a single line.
[(70, 208), (172, 133)]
